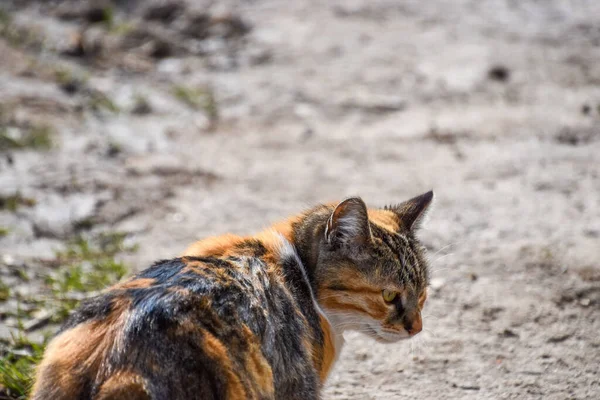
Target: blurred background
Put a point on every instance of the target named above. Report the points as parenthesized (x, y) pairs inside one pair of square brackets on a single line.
[(129, 129)]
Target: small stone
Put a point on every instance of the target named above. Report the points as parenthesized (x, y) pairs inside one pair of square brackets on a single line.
[(161, 49), (499, 73), (584, 302), (437, 283), (7, 259), (142, 107), (558, 338), (40, 320), (177, 217), (508, 333), (259, 56), (585, 109), (164, 12), (469, 387)]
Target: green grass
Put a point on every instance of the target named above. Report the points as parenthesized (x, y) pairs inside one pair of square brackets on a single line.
[(100, 102), (13, 202), (68, 80), (4, 231), (191, 97), (199, 99), (5, 17), (4, 291), (19, 36), (108, 17), (88, 265), (141, 105), (17, 366), (37, 137), (122, 28)]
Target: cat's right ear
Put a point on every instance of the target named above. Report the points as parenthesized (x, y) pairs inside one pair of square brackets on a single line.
[(348, 224), (412, 212)]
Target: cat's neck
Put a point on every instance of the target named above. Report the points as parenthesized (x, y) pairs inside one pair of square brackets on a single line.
[(304, 232)]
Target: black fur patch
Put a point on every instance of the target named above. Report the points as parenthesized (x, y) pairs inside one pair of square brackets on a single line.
[(96, 308)]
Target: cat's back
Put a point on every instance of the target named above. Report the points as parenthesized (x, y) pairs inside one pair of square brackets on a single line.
[(187, 328)]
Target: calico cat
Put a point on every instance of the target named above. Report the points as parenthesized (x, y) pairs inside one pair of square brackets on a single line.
[(257, 317)]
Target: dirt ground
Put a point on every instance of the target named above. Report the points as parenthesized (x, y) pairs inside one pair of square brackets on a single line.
[(205, 117)]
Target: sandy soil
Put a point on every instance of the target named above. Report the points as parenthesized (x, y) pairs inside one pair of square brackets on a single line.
[(494, 104)]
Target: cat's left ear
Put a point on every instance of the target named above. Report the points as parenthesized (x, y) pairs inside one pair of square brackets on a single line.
[(412, 212), (348, 224)]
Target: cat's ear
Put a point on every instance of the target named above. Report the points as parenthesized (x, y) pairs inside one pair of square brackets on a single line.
[(348, 224), (411, 213)]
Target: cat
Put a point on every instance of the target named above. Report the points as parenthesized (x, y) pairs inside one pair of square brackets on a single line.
[(257, 317)]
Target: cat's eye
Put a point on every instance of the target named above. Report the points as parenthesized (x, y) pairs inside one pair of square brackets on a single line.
[(388, 295)]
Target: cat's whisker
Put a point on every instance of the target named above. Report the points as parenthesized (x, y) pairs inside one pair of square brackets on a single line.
[(442, 257), (347, 325), (435, 271), (454, 243), (430, 332), (443, 248)]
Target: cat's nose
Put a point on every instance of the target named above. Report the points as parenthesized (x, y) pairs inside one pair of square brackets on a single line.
[(413, 324)]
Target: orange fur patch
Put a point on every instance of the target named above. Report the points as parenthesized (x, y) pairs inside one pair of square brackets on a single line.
[(123, 385), (214, 246), (285, 228), (384, 218), (417, 324), (334, 301), (329, 351), (136, 284), (377, 308), (422, 299), (216, 350), (257, 365), (353, 281), (361, 299)]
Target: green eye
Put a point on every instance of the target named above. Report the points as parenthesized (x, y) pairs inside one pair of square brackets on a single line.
[(388, 295)]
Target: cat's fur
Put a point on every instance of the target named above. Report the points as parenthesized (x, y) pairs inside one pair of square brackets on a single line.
[(256, 317)]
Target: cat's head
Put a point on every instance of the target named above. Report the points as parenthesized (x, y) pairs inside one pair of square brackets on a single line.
[(372, 275)]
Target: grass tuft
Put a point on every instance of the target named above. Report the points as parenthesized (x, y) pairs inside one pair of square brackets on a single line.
[(4, 291), (101, 102), (108, 17), (141, 105), (5, 17), (17, 366), (19, 36), (199, 99), (88, 265), (68, 80), (37, 137), (13, 202)]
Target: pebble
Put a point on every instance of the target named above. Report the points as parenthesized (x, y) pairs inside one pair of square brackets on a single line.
[(437, 283)]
